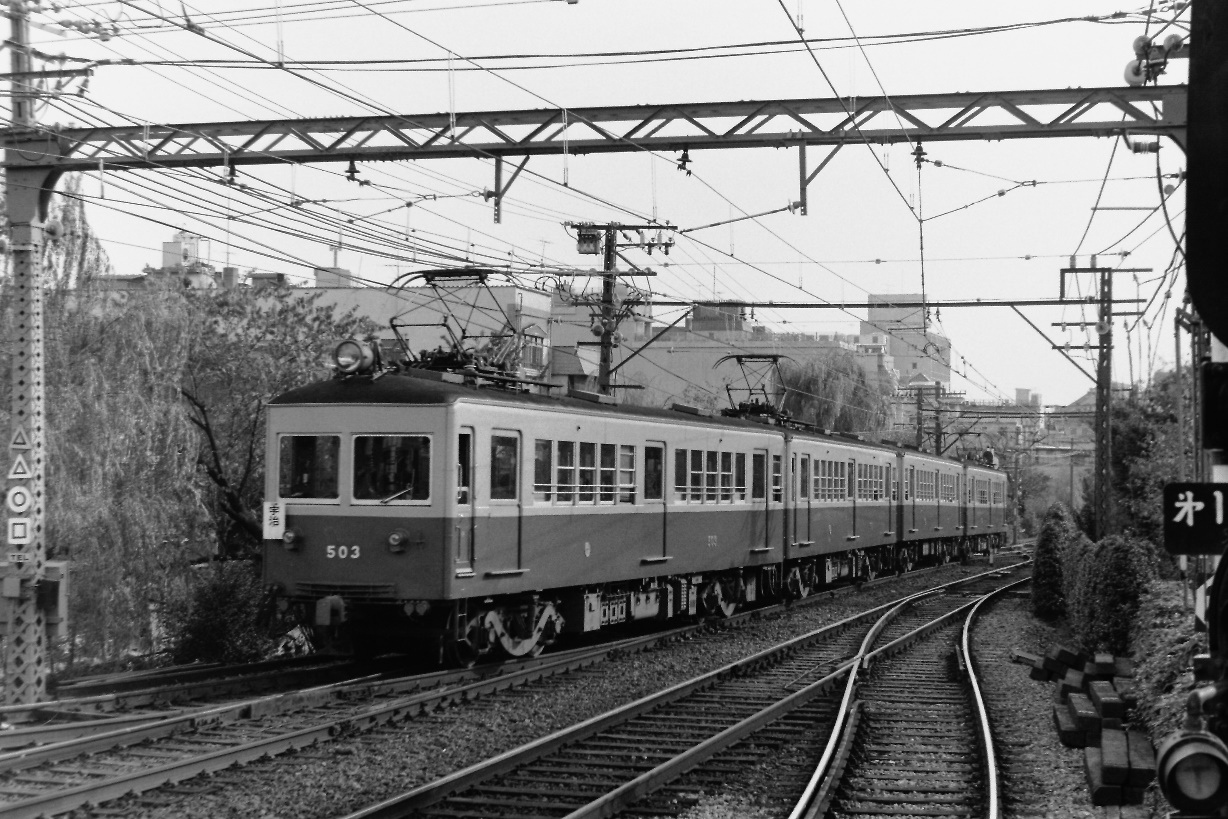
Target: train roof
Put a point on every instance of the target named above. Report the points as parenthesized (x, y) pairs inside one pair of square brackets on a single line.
[(430, 389)]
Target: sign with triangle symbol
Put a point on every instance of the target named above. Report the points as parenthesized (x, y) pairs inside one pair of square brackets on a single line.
[(20, 439), (21, 469)]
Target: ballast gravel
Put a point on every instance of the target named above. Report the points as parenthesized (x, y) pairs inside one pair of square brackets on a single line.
[(350, 773), (1041, 778)]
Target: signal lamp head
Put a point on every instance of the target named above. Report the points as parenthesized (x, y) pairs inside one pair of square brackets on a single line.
[(352, 356), (1192, 767), (290, 539), (397, 541)]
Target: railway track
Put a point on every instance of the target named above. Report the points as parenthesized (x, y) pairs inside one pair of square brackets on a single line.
[(58, 776), (623, 762), (915, 738)]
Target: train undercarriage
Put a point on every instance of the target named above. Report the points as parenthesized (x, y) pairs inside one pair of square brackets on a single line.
[(461, 633)]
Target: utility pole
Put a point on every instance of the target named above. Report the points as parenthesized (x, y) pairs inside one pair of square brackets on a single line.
[(593, 239), (27, 192), (608, 324), (1104, 404), (920, 421), (938, 447), (1103, 500)]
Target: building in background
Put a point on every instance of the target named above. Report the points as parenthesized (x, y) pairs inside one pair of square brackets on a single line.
[(915, 347)]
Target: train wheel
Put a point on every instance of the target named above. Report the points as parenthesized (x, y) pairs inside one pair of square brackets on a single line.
[(800, 582), (465, 642), (869, 567), (903, 560), (719, 597)]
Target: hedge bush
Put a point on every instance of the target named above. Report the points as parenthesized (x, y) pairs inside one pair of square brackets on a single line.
[(1103, 584), (220, 620), (1056, 531)]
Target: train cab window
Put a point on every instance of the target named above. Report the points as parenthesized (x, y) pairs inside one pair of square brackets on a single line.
[(308, 467), (654, 473), (607, 472), (778, 489), (726, 477), (588, 473), (504, 467), (758, 476), (464, 467), (739, 476), (680, 473), (566, 472), (543, 462), (626, 474), (392, 468)]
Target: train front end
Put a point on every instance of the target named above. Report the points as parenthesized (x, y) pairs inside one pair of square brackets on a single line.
[(354, 513)]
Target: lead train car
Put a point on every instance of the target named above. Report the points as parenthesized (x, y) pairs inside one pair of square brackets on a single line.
[(415, 506)]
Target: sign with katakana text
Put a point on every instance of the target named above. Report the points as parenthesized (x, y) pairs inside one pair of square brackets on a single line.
[(1194, 518)]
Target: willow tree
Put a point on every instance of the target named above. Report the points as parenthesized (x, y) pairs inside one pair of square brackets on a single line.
[(833, 392), (246, 347), (123, 493)]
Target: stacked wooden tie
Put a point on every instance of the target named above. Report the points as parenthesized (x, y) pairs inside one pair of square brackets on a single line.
[(1093, 698)]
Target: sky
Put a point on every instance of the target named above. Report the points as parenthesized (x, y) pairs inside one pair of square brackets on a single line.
[(861, 234)]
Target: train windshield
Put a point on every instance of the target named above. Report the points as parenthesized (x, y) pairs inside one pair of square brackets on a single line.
[(309, 466), (390, 468)]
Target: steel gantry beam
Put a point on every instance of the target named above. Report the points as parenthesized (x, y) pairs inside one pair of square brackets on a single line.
[(992, 115)]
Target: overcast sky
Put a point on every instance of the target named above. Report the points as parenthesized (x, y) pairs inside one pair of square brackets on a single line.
[(861, 233)]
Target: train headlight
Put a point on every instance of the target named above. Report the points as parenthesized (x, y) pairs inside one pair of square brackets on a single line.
[(397, 541), (352, 356), (290, 539), (1192, 767)]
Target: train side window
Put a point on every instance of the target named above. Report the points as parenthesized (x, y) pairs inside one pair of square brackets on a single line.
[(464, 464), (854, 479), (680, 474), (543, 463), (804, 478), (777, 478), (654, 472), (504, 467), (739, 476), (758, 476), (608, 472), (309, 466), (588, 473), (392, 468), (726, 477), (841, 482), (697, 475), (566, 471), (711, 475), (626, 474)]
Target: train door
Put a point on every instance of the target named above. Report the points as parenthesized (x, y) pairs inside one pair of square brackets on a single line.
[(654, 487), (889, 496), (938, 478), (760, 528), (504, 514), (804, 534), (854, 484), (466, 521), (910, 495)]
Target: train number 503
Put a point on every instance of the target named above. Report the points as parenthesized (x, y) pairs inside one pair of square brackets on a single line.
[(341, 551)]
